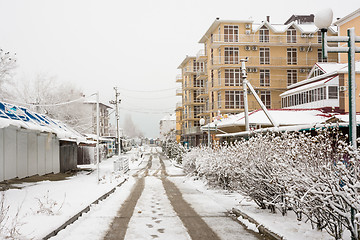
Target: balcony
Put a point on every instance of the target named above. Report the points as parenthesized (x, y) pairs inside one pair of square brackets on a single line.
[(192, 130), (201, 74), (201, 56), (178, 105), (190, 70), (179, 92), (203, 93), (234, 61), (179, 78), (276, 39)]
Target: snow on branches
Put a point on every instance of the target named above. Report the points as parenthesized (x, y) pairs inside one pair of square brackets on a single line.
[(315, 175)]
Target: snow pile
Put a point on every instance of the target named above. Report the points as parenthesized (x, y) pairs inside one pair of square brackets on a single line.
[(313, 176)]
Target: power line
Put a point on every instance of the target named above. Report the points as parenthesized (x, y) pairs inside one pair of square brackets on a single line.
[(159, 90)]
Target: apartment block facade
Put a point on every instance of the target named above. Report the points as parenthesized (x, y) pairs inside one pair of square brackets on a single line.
[(278, 55)]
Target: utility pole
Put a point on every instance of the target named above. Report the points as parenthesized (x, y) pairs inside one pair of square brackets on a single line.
[(116, 102)]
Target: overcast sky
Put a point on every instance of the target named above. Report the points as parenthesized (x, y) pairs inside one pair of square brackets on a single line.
[(134, 45)]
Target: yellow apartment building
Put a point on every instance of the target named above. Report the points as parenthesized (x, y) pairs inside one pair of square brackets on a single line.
[(349, 21), (278, 55), (192, 81)]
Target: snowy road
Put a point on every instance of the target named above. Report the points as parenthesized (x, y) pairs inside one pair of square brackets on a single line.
[(160, 207), (158, 203)]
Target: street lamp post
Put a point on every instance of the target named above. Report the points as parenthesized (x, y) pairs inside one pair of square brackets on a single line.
[(202, 123), (323, 20), (216, 123)]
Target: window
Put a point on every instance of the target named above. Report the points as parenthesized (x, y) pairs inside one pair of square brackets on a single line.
[(264, 34), (197, 110), (196, 66), (231, 33), (231, 55), (198, 83), (264, 55), (232, 77), (264, 77), (219, 100), (219, 77), (212, 78), (212, 101), (266, 98), (291, 35), (320, 56), (291, 76), (234, 99), (333, 92), (292, 56)]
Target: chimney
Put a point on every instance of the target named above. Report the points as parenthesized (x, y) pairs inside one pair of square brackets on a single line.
[(268, 18)]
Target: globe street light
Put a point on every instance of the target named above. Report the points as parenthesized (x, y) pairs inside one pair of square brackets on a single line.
[(323, 20)]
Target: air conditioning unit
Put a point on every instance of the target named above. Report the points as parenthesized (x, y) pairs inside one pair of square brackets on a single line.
[(247, 32), (342, 88), (302, 49), (311, 35), (247, 26), (254, 48), (302, 70), (247, 48), (303, 35)]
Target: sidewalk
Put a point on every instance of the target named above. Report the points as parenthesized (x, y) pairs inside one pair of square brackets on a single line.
[(40, 205)]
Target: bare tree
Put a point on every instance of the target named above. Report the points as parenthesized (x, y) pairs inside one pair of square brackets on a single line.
[(7, 65), (47, 95)]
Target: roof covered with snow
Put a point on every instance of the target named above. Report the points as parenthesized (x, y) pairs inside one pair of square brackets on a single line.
[(21, 117), (284, 117), (348, 17), (329, 69)]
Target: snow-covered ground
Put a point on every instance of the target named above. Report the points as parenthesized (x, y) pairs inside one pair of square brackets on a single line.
[(74, 194), (44, 206)]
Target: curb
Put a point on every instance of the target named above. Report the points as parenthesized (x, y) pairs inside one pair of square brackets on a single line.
[(79, 214), (263, 230)]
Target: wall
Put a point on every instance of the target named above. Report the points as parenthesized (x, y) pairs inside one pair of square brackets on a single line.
[(68, 156), (26, 153)]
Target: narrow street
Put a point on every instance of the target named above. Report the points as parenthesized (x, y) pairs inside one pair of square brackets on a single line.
[(160, 207)]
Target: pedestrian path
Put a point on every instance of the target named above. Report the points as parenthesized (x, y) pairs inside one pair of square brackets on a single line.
[(156, 209)]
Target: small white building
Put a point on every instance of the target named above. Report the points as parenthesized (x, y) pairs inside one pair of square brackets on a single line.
[(324, 88), (32, 143)]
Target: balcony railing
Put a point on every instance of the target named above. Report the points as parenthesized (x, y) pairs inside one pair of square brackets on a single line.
[(192, 130), (264, 39), (179, 92), (179, 78), (201, 55), (235, 60), (178, 105)]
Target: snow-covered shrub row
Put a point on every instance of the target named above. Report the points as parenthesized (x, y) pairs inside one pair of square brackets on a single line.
[(173, 150), (315, 176)]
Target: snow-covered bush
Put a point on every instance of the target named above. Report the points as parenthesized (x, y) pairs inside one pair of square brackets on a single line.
[(173, 150), (312, 174)]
